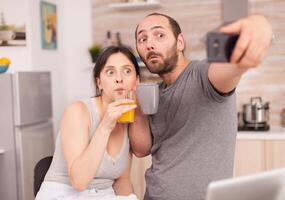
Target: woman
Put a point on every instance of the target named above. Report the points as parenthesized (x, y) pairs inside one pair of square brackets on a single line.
[(93, 155)]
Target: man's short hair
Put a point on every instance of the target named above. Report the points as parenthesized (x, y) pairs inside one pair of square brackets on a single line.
[(172, 22)]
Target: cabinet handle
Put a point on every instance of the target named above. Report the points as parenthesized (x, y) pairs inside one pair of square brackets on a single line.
[(2, 151)]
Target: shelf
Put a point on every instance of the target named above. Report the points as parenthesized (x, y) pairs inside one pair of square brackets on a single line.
[(135, 5)]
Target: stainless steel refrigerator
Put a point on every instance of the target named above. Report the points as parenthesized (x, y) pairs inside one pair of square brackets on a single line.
[(26, 130)]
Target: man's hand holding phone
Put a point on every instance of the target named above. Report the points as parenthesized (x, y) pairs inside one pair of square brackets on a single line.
[(243, 43)]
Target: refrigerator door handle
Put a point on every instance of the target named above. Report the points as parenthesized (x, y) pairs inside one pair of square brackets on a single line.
[(2, 151)]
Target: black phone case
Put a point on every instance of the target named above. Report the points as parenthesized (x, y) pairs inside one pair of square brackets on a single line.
[(220, 46)]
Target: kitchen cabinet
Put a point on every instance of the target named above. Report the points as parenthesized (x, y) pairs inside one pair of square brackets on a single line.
[(139, 166), (275, 154), (259, 154), (255, 152), (249, 157)]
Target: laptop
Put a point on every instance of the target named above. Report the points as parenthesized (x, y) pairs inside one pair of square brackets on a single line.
[(268, 185)]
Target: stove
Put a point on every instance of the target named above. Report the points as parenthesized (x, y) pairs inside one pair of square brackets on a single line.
[(254, 127)]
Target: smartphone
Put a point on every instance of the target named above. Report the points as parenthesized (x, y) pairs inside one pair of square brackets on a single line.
[(220, 46)]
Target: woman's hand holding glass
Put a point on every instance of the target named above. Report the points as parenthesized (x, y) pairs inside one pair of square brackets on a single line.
[(115, 111), (129, 116)]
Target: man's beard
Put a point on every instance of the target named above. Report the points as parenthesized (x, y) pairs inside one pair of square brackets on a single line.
[(167, 64)]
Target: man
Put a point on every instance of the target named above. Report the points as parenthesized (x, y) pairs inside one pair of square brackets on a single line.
[(193, 134)]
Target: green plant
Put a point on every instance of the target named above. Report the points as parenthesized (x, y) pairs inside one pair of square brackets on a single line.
[(94, 51), (4, 28)]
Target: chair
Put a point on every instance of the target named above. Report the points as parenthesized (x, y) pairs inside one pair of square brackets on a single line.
[(40, 171)]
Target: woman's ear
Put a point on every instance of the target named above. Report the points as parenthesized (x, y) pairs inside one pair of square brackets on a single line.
[(98, 83), (137, 82)]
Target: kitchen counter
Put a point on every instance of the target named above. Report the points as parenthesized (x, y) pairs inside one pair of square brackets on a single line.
[(275, 133)]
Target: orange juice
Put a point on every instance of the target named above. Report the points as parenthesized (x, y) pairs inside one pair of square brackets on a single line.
[(129, 116)]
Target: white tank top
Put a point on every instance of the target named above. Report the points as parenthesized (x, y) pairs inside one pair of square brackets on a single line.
[(110, 167)]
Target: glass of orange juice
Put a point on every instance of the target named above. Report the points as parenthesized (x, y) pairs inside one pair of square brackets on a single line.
[(129, 116)]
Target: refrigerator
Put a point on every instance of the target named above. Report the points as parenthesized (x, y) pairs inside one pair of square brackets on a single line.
[(26, 131)]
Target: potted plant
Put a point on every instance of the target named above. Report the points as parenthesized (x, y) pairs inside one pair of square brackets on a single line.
[(4, 27), (94, 51), (6, 31)]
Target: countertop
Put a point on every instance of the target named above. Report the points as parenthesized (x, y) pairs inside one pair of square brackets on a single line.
[(275, 133)]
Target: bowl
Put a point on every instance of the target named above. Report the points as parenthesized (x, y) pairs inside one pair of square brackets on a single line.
[(7, 35), (3, 68)]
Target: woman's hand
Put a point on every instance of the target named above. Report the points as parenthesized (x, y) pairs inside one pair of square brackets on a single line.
[(114, 111)]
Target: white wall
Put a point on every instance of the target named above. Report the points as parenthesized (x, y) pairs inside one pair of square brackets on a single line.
[(70, 64), (49, 60), (78, 39), (12, 7), (20, 56)]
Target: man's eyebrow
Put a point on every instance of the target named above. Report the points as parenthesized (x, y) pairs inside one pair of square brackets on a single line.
[(140, 31), (154, 27)]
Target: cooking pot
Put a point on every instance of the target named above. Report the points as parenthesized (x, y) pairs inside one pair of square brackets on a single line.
[(256, 111)]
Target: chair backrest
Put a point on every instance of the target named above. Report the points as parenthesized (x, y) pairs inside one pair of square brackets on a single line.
[(40, 171)]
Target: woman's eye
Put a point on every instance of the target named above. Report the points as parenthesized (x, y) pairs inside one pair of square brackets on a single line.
[(110, 72), (127, 71)]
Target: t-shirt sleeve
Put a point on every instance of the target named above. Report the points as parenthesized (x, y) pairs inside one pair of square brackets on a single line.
[(208, 88)]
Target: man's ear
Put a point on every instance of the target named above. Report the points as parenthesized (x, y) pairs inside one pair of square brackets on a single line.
[(180, 42)]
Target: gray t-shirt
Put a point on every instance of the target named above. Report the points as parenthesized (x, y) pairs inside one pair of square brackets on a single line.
[(194, 134)]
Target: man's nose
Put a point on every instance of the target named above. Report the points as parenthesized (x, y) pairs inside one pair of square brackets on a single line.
[(150, 45)]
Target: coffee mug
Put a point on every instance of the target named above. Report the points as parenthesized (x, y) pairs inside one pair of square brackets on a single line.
[(7, 35), (148, 97)]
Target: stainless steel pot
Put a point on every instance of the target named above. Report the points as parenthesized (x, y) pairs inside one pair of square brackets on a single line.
[(256, 111)]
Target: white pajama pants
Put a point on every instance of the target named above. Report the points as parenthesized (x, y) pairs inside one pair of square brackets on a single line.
[(59, 191)]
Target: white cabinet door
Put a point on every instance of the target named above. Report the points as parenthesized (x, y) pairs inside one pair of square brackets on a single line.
[(249, 157), (33, 143), (32, 97), (139, 166), (275, 154), (8, 176)]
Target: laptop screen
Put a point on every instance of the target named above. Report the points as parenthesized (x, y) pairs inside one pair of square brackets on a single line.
[(262, 186)]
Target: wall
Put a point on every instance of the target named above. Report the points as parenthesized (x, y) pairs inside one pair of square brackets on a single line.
[(196, 18), (20, 56), (70, 64), (49, 60), (32, 57), (268, 81), (78, 39)]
